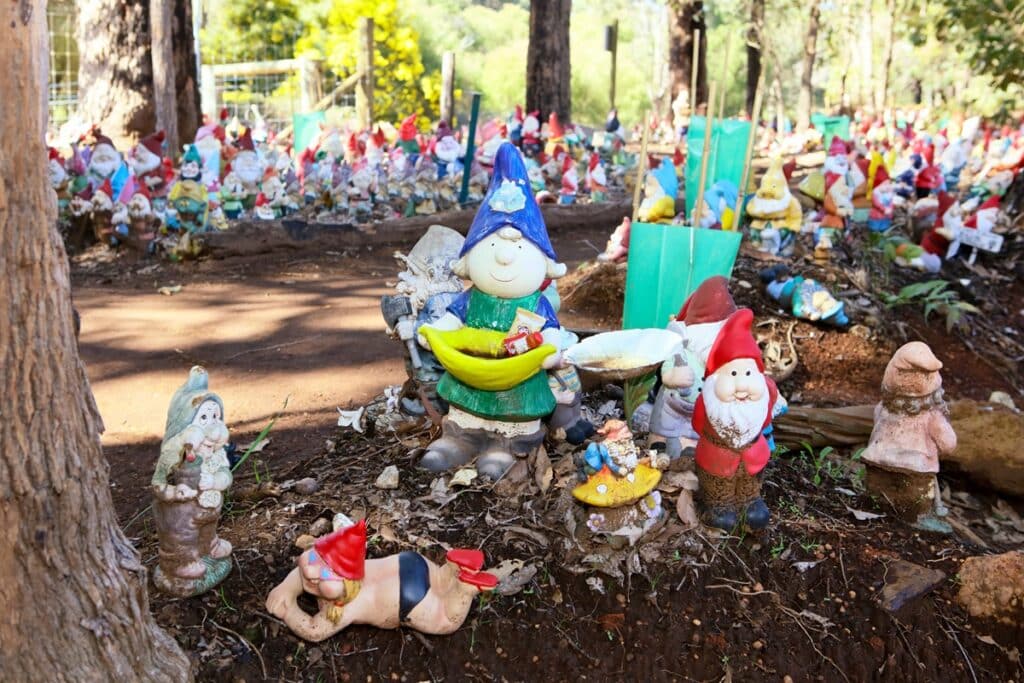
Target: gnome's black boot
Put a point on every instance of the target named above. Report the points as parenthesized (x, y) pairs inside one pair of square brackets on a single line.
[(758, 515), (723, 518)]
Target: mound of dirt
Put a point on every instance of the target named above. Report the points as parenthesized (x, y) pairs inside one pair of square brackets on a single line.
[(595, 290)]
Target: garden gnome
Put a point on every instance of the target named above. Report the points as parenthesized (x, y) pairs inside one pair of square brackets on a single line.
[(191, 165), (911, 432), (530, 132), (106, 163), (596, 178), (616, 250), (188, 485), (430, 287), (838, 208), (147, 162), (570, 181), (733, 409), (804, 298), (983, 220), (882, 195), (776, 213), (660, 190), (556, 134), (400, 590), (103, 212), (698, 324), (407, 133), (248, 167), (718, 205), (508, 257), (948, 224), (58, 177), (141, 221)]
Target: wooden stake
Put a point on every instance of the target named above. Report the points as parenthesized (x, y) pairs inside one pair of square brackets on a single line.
[(161, 25), (709, 123), (641, 166), (364, 66), (693, 72), (725, 76), (751, 139), (447, 104)]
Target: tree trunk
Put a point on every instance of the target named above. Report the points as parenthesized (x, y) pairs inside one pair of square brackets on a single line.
[(115, 73), (754, 34), (161, 22), (186, 73), (687, 18), (883, 90), (548, 72), (805, 98), (73, 589)]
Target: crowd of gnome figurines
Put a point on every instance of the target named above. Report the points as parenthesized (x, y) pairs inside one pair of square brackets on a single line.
[(477, 317)]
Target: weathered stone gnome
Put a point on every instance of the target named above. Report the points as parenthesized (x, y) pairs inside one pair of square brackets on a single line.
[(191, 477), (911, 431), (497, 400), (731, 413)]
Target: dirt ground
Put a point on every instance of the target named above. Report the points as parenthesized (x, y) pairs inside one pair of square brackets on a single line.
[(303, 325)]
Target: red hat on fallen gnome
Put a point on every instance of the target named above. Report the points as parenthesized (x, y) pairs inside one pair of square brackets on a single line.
[(154, 142), (344, 551), (709, 303), (946, 200), (734, 341), (989, 204)]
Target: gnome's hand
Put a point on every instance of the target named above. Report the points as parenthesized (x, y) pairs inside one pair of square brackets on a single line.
[(553, 361)]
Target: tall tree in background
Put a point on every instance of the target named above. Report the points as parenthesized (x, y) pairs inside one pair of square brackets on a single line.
[(687, 18), (548, 71), (805, 97), (115, 68), (754, 38), (73, 589)]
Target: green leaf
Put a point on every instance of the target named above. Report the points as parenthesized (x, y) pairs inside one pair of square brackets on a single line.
[(636, 390)]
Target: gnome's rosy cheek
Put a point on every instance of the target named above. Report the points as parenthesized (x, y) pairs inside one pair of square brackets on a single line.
[(332, 588)]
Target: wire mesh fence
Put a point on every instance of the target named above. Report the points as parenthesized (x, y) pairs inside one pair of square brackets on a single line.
[(63, 86)]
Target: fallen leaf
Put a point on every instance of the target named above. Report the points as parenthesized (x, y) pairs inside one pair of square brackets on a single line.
[(170, 291), (863, 516), (612, 621), (517, 580), (506, 568), (535, 536), (542, 471), (596, 584), (463, 477), (804, 566), (824, 621), (387, 533), (351, 418)]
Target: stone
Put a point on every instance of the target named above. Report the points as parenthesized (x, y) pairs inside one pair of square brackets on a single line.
[(307, 486), (992, 587), (906, 582), (388, 479), (319, 527), (997, 463)]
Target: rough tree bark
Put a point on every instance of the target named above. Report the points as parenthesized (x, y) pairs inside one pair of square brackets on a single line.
[(882, 97), (687, 17), (186, 72), (161, 23), (115, 73), (72, 587), (805, 97), (754, 34), (548, 72)]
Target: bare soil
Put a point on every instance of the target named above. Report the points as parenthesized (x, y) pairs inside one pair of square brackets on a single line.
[(300, 322)]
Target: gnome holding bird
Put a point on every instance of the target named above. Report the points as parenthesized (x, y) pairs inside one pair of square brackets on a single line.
[(734, 408)]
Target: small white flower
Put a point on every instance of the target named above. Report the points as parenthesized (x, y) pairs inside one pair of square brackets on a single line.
[(508, 198), (602, 488)]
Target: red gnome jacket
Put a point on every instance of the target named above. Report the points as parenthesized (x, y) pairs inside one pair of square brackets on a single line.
[(734, 341)]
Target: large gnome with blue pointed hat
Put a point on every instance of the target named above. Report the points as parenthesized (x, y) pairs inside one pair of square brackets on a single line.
[(508, 257)]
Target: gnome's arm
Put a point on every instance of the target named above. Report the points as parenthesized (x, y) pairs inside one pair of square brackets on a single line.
[(942, 433), (452, 320)]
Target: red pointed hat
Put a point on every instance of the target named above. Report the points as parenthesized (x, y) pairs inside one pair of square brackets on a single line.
[(929, 178), (54, 154), (567, 163), (407, 131), (788, 168), (154, 142), (990, 203), (837, 147), (709, 303), (555, 129), (378, 138), (734, 341), (946, 200), (593, 161), (344, 550), (678, 157), (881, 175), (245, 141), (261, 199)]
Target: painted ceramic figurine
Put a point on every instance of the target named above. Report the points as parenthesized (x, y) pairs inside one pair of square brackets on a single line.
[(719, 205), (400, 590), (776, 213), (106, 164), (146, 160), (103, 213), (660, 190), (911, 432), (617, 248), (804, 298), (983, 220), (731, 413), (497, 400), (425, 290), (948, 223), (596, 178), (882, 196), (570, 181), (188, 485)]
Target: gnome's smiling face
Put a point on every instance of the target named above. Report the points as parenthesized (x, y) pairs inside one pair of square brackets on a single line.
[(105, 160), (506, 265)]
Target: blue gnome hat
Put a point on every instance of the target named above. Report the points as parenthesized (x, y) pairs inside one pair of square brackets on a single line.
[(187, 399), (509, 201), (722, 191), (666, 177)]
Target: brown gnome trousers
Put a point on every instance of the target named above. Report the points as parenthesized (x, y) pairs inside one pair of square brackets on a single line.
[(737, 491)]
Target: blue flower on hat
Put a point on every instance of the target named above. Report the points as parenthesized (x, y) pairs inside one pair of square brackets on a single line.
[(509, 198)]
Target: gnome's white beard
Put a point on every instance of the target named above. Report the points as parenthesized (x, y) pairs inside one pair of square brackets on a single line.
[(768, 205), (839, 165), (248, 168), (144, 161), (105, 160), (737, 423), (701, 337)]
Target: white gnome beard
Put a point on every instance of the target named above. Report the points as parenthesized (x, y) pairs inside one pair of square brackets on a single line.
[(701, 337), (139, 207), (737, 423), (772, 205), (144, 161), (836, 164), (247, 167), (57, 174), (105, 160)]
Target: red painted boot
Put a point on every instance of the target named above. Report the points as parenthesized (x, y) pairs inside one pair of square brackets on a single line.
[(482, 580), (473, 560)]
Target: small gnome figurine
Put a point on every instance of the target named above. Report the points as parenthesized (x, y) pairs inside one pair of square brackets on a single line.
[(734, 407), (776, 214), (616, 250), (188, 485), (596, 178), (948, 224), (570, 181), (911, 431), (660, 190), (883, 193), (400, 590), (147, 162)]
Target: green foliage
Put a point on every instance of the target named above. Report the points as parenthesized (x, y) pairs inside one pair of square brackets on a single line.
[(236, 27), (402, 85), (936, 297), (992, 34), (636, 391)]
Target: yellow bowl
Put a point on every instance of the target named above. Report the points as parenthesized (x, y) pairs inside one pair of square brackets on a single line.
[(474, 356)]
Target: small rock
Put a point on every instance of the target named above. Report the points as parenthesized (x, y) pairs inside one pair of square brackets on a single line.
[(307, 486), (1003, 399), (319, 527), (905, 582), (757, 644), (388, 479), (996, 463), (696, 622), (305, 541), (992, 587)]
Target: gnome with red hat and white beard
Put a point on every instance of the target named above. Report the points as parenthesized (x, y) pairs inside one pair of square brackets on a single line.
[(948, 224), (570, 181), (400, 590), (596, 178), (104, 162), (530, 132), (147, 163), (734, 407), (248, 168), (698, 324), (983, 220)]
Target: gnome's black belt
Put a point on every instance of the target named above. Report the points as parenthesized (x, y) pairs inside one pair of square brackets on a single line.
[(413, 582)]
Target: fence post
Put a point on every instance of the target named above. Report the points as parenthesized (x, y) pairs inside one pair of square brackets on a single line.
[(364, 65), (309, 84), (447, 86), (208, 91), (611, 44)]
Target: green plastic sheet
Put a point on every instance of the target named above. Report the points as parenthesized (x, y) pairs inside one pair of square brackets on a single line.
[(663, 271), (307, 128), (831, 126), (725, 162)]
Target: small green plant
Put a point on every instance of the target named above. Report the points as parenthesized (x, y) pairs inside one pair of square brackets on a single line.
[(779, 548), (810, 547), (936, 297)]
